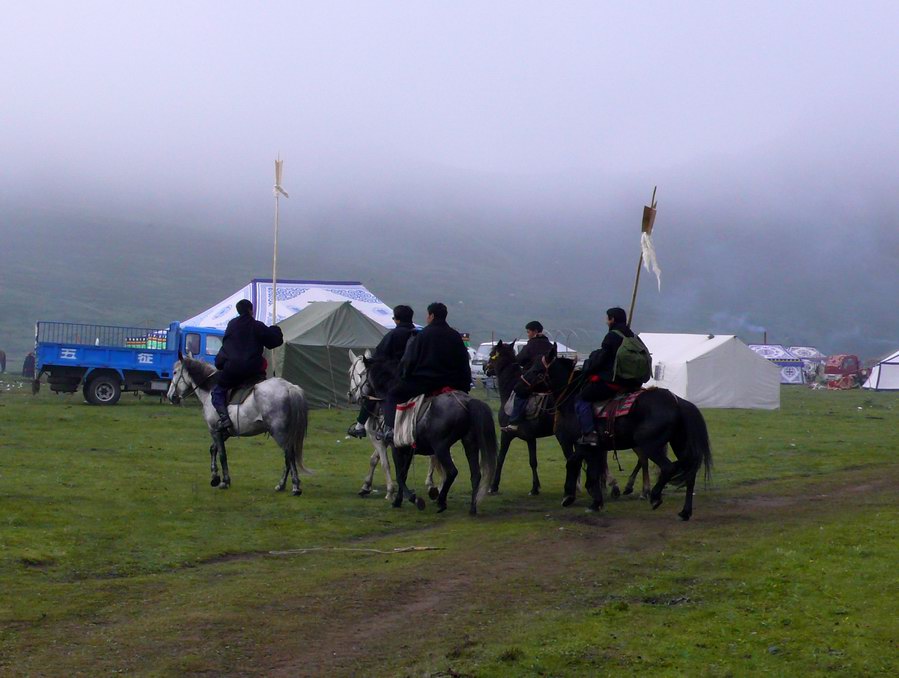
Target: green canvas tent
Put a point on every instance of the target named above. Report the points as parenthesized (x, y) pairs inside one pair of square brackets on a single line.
[(315, 351)]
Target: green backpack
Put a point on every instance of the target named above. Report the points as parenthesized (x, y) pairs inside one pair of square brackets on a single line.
[(632, 362)]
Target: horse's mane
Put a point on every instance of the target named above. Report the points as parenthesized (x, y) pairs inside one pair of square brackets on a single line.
[(199, 371)]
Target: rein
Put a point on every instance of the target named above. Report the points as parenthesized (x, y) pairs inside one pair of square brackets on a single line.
[(193, 390)]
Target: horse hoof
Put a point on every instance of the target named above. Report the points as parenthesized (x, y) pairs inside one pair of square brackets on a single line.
[(656, 503), (215, 481), (296, 492), (279, 487), (397, 504), (473, 511), (568, 500), (684, 516), (420, 503), (616, 492), (627, 491), (224, 486), (364, 492), (441, 508), (593, 508), (493, 490), (534, 492), (433, 493)]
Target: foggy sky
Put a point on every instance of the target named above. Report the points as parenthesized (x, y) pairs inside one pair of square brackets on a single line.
[(770, 128)]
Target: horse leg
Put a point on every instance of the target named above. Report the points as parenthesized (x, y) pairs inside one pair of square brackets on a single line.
[(632, 478), (644, 465), (532, 458), (223, 458), (450, 472), (430, 485), (596, 468), (505, 439), (471, 452), (213, 467), (283, 482), (402, 461), (666, 471), (381, 449), (372, 465), (687, 511), (572, 474)]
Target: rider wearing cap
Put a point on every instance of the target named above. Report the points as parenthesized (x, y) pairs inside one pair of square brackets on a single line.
[(240, 357), (538, 346), (598, 370), (389, 350)]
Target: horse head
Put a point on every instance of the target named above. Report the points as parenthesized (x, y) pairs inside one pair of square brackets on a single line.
[(178, 385), (360, 386), (501, 355)]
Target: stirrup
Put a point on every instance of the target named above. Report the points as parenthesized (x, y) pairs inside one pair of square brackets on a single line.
[(591, 439), (356, 431)]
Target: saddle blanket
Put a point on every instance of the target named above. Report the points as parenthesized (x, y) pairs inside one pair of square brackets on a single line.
[(537, 402), (409, 414), (237, 396), (618, 406)]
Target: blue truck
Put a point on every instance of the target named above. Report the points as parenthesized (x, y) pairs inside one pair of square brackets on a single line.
[(103, 360)]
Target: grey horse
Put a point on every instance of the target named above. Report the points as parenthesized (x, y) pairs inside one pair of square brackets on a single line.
[(275, 406)]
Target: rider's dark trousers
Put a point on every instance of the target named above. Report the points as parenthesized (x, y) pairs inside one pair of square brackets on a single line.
[(593, 392), (227, 380)]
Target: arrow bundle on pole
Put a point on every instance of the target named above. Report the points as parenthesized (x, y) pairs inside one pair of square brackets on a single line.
[(278, 191), (647, 251)]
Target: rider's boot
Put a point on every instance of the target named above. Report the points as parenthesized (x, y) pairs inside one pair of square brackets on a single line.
[(224, 424), (357, 430)]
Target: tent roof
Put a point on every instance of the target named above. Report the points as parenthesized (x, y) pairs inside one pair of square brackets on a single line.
[(773, 352), (684, 347), (331, 323), (293, 297), (807, 352)]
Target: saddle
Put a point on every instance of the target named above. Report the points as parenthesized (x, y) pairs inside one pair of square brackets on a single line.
[(410, 413), (237, 395), (537, 403), (618, 406)]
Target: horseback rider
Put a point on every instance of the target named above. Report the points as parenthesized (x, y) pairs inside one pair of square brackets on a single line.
[(598, 372), (389, 350), (538, 346), (436, 358), (240, 357)]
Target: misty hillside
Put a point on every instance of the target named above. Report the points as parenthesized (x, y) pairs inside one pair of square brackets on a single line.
[(496, 267)]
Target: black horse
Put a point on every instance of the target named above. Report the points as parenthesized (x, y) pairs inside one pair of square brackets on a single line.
[(502, 365), (452, 417), (658, 418)]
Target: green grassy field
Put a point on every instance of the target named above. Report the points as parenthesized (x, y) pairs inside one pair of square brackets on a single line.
[(117, 556)]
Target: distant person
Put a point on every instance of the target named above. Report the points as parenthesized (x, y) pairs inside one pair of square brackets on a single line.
[(2, 362), (538, 346), (389, 350), (240, 358), (599, 370), (435, 358), (28, 366)]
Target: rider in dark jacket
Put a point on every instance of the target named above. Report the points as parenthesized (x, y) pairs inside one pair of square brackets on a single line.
[(538, 346), (389, 350), (240, 357), (436, 358), (599, 371)]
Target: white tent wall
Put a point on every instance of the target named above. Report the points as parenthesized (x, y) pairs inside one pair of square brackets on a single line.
[(713, 371), (884, 375)]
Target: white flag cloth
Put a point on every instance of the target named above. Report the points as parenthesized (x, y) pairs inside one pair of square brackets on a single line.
[(649, 257)]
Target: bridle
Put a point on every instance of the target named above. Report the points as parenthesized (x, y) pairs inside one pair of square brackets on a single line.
[(183, 380), (358, 384)]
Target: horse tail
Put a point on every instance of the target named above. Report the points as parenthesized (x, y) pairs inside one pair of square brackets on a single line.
[(698, 447), (299, 424), (485, 433)]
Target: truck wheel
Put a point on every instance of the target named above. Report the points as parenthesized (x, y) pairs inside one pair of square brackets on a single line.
[(103, 390)]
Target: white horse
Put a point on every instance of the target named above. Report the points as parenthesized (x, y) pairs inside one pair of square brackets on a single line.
[(275, 406), (360, 387)]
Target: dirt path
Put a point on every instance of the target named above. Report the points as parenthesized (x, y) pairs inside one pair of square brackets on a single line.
[(372, 618)]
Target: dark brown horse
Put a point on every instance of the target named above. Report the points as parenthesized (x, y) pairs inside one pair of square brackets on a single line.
[(658, 419)]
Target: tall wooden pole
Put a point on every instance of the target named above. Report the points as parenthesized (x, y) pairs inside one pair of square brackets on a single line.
[(630, 314), (278, 191)]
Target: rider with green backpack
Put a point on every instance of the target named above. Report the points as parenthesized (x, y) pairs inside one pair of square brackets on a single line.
[(621, 364)]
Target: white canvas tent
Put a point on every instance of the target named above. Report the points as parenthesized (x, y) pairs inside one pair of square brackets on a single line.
[(293, 297), (884, 375), (713, 371)]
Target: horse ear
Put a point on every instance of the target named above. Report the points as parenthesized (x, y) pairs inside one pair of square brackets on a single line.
[(352, 355), (368, 353), (499, 343)]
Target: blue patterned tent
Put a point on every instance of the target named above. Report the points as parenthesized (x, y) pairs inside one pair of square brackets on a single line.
[(293, 297), (791, 367)]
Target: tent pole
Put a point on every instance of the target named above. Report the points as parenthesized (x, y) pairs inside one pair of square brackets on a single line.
[(630, 315)]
